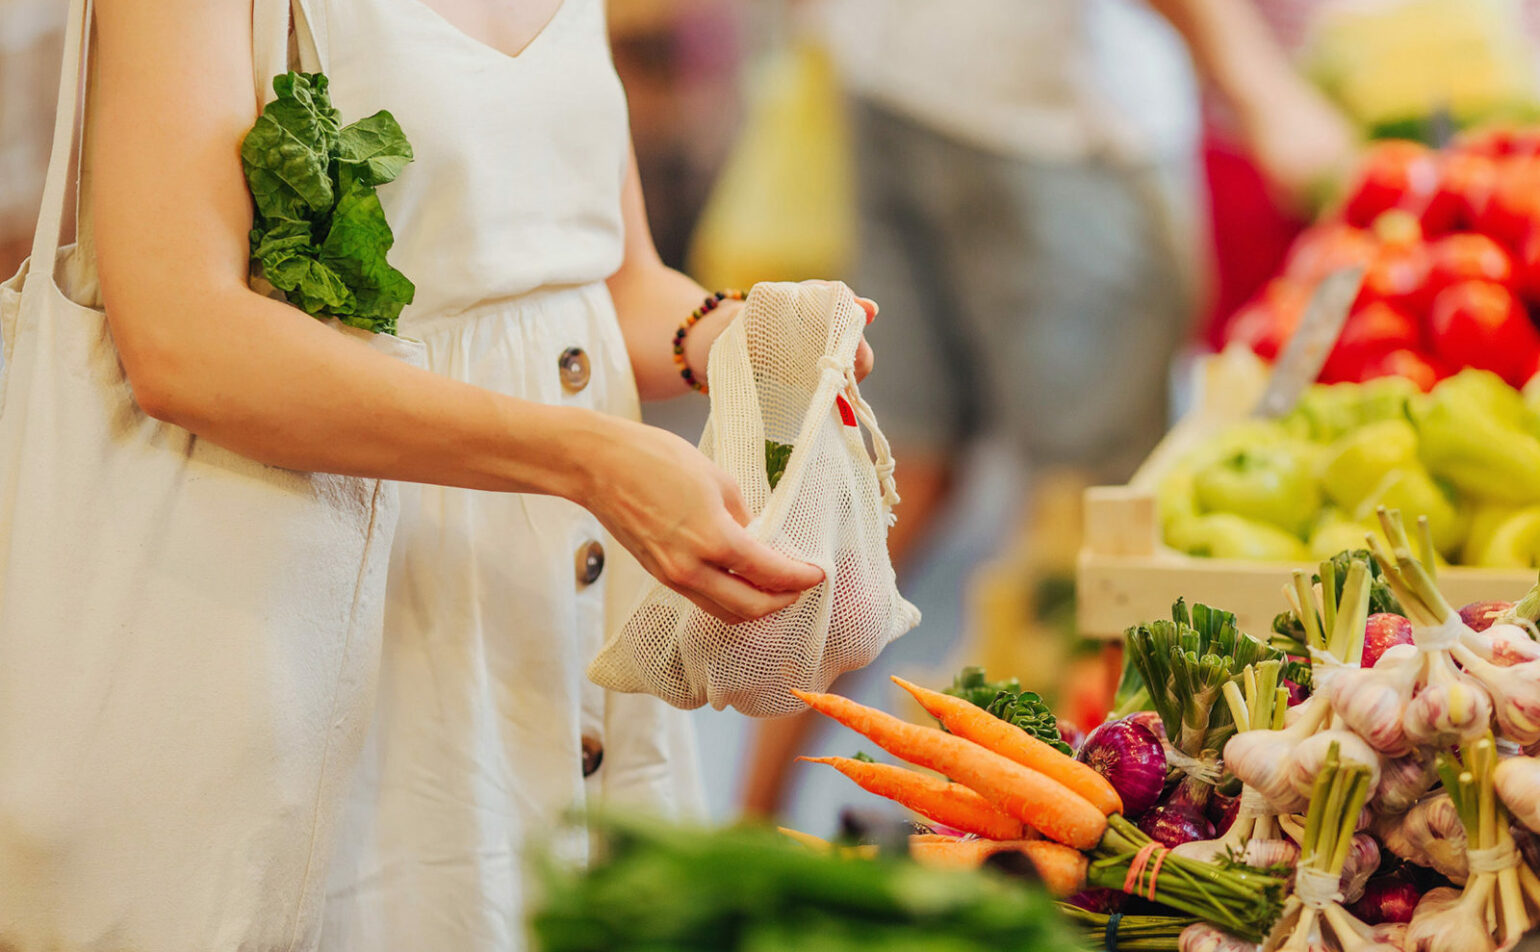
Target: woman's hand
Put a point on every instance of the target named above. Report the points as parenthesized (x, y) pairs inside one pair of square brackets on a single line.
[(683, 518), (709, 328)]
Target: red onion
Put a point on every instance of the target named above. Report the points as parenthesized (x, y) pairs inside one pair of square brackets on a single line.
[(1388, 898), (1222, 810), (1070, 734), (1480, 615), (1383, 631), (1151, 722), (1131, 759), (1296, 693), (1174, 825), (1098, 899)]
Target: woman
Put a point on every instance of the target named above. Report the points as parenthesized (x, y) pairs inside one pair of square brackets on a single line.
[(542, 309)]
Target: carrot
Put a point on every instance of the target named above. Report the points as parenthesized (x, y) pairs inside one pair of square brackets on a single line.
[(966, 719), (1038, 801), (951, 804), (1063, 869)]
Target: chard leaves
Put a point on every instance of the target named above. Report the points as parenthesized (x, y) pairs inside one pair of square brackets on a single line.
[(319, 233)]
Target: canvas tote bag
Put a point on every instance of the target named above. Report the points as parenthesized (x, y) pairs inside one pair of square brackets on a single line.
[(188, 638), (783, 370)]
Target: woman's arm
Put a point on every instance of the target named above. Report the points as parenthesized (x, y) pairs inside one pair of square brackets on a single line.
[(652, 300), (1297, 136), (174, 98)]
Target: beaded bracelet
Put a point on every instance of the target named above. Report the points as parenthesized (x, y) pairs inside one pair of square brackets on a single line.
[(709, 305)]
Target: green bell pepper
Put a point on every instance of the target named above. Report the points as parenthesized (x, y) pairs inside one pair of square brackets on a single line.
[(1512, 543), (1274, 484), (1224, 535), (1472, 434)]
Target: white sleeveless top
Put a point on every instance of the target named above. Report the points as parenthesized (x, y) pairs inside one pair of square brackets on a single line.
[(519, 161), (486, 731)]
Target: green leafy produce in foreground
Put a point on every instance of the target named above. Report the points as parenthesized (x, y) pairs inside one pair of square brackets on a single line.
[(659, 887), (319, 233), (1007, 701)]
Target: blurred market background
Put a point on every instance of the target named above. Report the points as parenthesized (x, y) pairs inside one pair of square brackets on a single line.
[(1059, 205)]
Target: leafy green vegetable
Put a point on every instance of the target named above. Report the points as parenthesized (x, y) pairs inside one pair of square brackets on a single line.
[(777, 455), (1007, 701), (1184, 664), (320, 234), (655, 887), (1290, 631)]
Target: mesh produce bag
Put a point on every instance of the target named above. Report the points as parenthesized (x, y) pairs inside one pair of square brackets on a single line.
[(782, 371)]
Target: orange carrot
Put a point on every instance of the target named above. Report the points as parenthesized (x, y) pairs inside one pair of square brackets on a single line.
[(951, 804), (1063, 869), (1038, 801), (966, 719)]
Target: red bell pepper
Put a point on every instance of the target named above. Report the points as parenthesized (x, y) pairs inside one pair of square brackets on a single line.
[(1370, 333), (1481, 324), (1395, 174), (1466, 257)]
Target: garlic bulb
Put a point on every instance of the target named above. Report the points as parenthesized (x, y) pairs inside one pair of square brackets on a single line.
[(1264, 854), (1362, 860), (1261, 760), (1517, 782), (1403, 780), (1202, 937), (1372, 702), (1451, 708), (1429, 834), (1515, 693), (1310, 755), (1504, 645), (1441, 924)]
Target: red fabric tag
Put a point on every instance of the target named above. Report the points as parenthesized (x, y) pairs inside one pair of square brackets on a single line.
[(846, 414)]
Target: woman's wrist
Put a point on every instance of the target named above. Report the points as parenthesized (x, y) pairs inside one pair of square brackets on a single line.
[(697, 343)]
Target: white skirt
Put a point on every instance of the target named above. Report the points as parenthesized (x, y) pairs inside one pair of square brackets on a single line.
[(486, 731)]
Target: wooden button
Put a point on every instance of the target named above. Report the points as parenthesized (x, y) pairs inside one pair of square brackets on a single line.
[(590, 563), (593, 755), (574, 369)]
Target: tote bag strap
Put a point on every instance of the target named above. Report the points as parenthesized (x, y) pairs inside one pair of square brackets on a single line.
[(270, 52), (45, 241)]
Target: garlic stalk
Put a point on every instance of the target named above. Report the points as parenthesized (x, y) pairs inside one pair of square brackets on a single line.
[(1448, 706), (1501, 890), (1313, 916)]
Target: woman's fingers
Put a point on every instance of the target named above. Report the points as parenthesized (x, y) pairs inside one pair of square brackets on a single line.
[(738, 600), (766, 569), (865, 359), (869, 306)]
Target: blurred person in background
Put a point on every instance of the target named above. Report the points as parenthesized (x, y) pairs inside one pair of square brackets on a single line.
[(1031, 214)]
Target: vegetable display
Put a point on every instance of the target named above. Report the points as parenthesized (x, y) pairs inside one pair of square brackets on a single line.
[(319, 233), (1450, 243), (1364, 781), (1466, 456)]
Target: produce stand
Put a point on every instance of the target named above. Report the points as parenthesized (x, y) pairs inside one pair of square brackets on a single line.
[(1126, 574)]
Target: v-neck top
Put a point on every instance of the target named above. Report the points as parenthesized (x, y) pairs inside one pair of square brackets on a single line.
[(518, 160)]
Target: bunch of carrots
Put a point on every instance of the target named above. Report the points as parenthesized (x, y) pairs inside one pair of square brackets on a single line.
[(1016, 793)]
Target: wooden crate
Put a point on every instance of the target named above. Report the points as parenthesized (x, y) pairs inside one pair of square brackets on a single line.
[(1126, 575)]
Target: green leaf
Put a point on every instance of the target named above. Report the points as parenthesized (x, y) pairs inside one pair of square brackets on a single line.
[(320, 234), (373, 150), (777, 455), (355, 249)]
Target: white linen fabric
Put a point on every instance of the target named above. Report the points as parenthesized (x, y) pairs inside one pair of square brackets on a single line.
[(784, 370), (508, 220), (188, 638)]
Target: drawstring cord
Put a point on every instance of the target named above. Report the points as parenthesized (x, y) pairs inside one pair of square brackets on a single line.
[(884, 451)]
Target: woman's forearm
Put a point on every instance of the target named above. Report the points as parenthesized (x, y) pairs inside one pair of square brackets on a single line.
[(653, 301), (269, 382)]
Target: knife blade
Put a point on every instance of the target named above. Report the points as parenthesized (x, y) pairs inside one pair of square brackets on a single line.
[(1306, 352)]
